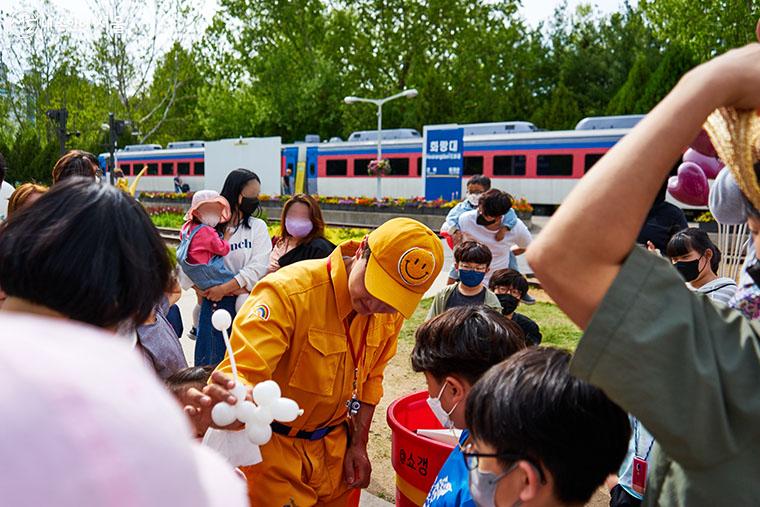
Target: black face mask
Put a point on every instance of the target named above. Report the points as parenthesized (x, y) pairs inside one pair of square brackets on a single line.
[(481, 220), (508, 303), (689, 269), (248, 205), (754, 272)]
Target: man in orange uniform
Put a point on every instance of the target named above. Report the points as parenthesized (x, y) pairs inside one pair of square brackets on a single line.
[(324, 330)]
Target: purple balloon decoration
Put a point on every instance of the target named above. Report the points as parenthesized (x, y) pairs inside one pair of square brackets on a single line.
[(703, 144), (710, 165), (690, 185)]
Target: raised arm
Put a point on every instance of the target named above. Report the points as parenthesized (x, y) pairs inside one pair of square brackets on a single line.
[(579, 253)]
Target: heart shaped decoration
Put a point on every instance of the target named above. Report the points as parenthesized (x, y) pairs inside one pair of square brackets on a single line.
[(710, 165), (703, 145), (690, 185)]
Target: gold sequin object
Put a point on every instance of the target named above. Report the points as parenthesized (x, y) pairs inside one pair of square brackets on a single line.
[(735, 135)]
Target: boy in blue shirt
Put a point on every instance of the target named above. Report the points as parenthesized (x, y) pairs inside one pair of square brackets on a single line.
[(454, 350)]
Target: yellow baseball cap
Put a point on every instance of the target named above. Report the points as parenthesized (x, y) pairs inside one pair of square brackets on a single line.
[(406, 257)]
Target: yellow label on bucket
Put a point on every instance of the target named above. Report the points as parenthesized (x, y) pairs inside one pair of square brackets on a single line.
[(415, 495)]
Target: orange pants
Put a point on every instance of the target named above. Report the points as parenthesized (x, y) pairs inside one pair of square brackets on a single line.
[(301, 473)]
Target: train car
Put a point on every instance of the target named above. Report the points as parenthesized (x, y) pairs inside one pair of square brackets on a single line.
[(542, 166), (184, 159)]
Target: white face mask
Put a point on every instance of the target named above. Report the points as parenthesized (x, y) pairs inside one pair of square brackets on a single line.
[(438, 410), (210, 219), (473, 199)]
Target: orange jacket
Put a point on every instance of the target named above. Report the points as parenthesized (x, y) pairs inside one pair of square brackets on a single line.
[(291, 330)]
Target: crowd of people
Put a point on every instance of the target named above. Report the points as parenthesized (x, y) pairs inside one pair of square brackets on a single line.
[(658, 402)]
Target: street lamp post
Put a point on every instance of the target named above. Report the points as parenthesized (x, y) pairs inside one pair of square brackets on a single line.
[(410, 94)]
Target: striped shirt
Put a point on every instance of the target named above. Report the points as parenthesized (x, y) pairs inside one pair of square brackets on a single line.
[(720, 289)]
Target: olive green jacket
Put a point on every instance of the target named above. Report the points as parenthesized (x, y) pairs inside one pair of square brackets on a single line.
[(689, 370), (440, 300)]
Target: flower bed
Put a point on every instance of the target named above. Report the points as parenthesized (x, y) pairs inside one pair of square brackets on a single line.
[(166, 196), (415, 205), (368, 203)]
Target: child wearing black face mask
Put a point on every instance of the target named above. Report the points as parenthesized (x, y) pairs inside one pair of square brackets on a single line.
[(697, 260), (510, 287), (472, 260)]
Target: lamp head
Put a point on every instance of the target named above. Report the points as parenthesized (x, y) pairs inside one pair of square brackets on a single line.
[(410, 94), (350, 99)]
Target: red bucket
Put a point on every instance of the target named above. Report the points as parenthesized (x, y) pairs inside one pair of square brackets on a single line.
[(416, 459)]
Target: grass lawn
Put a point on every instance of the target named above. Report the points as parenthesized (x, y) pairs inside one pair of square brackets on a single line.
[(556, 327)]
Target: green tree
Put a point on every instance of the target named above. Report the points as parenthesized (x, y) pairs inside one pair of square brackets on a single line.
[(560, 112), (706, 28)]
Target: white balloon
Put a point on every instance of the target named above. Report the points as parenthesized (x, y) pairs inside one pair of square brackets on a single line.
[(221, 319), (223, 414), (265, 393), (245, 411), (240, 391), (263, 416), (285, 410), (259, 434)]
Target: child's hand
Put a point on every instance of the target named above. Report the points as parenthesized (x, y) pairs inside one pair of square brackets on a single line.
[(199, 404)]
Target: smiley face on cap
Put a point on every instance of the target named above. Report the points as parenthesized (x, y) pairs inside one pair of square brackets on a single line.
[(416, 265)]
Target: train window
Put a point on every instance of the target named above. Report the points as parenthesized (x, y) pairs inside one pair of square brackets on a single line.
[(125, 169), (399, 166), (312, 169), (419, 166), (555, 165), (591, 159), (200, 168), (509, 165), (360, 166), (473, 165), (167, 169), (183, 168), (336, 167), (152, 169)]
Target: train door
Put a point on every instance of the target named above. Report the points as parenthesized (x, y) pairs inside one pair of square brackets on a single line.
[(290, 156), (311, 169)]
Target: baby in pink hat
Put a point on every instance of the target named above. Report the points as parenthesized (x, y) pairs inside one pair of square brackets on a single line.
[(201, 249)]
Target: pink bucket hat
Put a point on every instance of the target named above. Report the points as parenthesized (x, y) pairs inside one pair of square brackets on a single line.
[(209, 196), (86, 423)]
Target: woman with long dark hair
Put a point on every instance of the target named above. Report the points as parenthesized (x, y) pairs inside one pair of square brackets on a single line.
[(302, 233), (248, 259)]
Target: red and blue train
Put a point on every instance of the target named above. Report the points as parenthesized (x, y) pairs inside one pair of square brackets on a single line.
[(542, 166)]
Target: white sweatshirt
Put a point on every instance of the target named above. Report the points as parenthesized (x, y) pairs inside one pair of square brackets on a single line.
[(249, 252)]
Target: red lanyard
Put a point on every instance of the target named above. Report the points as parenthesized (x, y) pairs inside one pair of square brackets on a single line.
[(359, 355)]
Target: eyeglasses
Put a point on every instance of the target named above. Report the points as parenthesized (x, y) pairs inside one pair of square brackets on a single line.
[(471, 460)]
